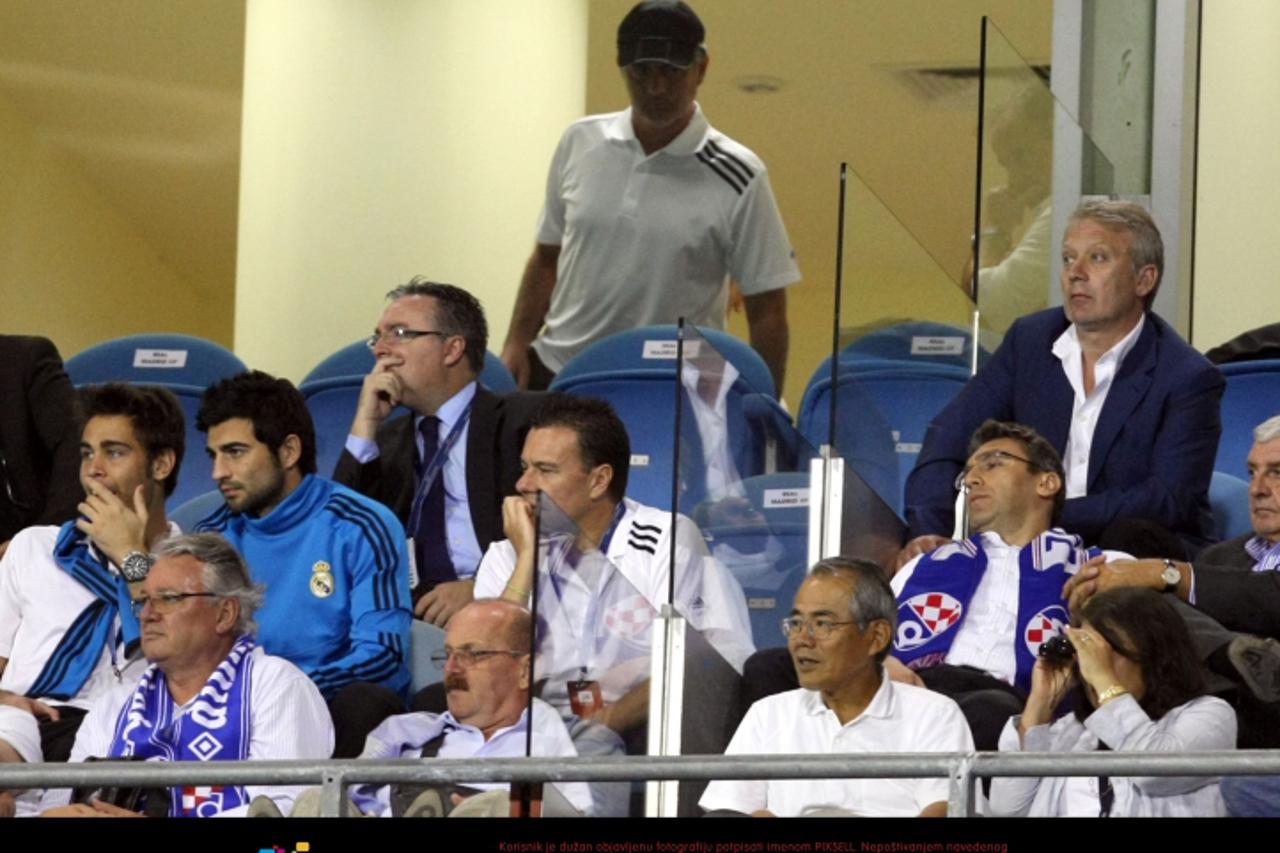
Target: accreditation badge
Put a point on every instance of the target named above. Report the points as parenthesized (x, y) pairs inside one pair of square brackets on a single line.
[(322, 584), (585, 697)]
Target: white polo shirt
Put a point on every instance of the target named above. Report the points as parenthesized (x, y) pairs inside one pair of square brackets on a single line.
[(650, 238), (900, 718)]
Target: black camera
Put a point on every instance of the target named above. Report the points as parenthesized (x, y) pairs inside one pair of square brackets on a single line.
[(1058, 651)]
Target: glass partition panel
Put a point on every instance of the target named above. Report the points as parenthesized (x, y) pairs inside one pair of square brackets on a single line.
[(902, 349), (1024, 131)]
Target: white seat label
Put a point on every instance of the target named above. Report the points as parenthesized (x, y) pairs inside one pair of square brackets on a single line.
[(159, 358), (786, 497), (930, 345)]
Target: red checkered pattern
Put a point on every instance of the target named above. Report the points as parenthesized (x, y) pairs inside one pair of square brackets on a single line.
[(1040, 629), (193, 798), (938, 611), (629, 617)]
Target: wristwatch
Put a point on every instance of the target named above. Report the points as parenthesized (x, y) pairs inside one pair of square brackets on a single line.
[(1171, 576), (136, 565)]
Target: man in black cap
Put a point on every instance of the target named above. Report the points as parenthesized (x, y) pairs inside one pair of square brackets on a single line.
[(648, 212)]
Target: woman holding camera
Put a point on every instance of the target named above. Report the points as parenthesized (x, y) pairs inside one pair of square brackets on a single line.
[(1141, 689)]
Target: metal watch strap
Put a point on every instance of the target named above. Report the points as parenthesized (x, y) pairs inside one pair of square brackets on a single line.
[(136, 565)]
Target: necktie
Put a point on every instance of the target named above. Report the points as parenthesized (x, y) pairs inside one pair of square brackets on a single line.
[(432, 552)]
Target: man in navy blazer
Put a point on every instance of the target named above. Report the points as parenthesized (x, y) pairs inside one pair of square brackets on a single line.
[(1131, 407)]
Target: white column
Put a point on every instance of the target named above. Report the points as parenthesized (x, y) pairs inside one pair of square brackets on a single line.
[(387, 139)]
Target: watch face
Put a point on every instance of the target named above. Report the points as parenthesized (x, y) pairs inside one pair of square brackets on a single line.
[(135, 567), (1171, 576)]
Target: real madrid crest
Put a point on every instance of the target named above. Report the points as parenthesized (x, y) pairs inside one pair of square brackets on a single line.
[(321, 579)]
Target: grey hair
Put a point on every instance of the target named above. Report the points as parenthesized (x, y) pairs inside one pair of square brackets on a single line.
[(872, 597), (1147, 247), (1268, 430), (225, 573)]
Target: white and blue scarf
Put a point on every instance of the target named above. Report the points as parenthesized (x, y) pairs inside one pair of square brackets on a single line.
[(216, 726), (933, 604), (78, 652)]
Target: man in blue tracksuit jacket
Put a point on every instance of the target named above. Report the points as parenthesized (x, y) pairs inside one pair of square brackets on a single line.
[(333, 562)]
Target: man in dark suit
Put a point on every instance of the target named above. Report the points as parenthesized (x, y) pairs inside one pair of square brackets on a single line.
[(1236, 582), (39, 437), (445, 469), (1132, 408)]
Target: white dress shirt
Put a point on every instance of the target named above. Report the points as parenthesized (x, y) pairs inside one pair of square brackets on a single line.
[(1087, 407)]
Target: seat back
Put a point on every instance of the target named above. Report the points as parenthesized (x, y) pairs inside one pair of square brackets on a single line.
[(156, 359), (424, 640), (918, 342), (332, 403), (1252, 395), (1229, 499), (190, 512)]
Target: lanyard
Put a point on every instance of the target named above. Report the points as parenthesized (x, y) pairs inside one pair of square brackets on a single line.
[(433, 469), (588, 640)]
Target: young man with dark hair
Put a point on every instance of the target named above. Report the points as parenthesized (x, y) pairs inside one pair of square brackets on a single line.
[(333, 561), (78, 575), (445, 470)]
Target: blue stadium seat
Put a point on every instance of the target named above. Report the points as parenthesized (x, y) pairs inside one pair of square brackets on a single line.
[(159, 359), (769, 558), (193, 510), (357, 360), (332, 403), (918, 342), (1229, 499), (635, 370), (1252, 395), (424, 639), (878, 400)]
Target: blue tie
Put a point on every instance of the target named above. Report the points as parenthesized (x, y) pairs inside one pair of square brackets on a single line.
[(434, 565)]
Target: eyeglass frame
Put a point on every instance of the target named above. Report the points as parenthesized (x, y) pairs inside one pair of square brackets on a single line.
[(984, 459), (468, 658), (400, 335), (170, 599), (810, 626)]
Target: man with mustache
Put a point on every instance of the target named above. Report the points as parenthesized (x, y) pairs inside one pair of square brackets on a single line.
[(648, 213), (333, 561), (54, 578), (486, 662), (1132, 410)]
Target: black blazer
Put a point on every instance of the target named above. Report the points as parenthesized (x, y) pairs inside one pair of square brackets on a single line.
[(39, 436), (495, 438), (1230, 591)]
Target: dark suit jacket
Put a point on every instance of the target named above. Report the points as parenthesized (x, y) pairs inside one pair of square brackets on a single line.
[(39, 436), (495, 438), (1153, 446), (1230, 591)]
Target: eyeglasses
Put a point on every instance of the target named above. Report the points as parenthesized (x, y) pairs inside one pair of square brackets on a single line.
[(986, 463), (818, 629), (165, 602), (398, 335), (467, 658)]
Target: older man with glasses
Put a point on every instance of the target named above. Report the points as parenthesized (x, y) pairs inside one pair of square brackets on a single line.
[(839, 634), (487, 668), (210, 692)]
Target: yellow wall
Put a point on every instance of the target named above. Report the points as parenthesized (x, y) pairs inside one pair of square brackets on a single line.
[(72, 268), (380, 141), (1237, 261)]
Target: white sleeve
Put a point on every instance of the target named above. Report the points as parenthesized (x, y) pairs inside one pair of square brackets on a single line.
[(899, 581), (741, 795), (551, 220), (93, 738), (708, 594), (762, 258), (1012, 796), (1204, 723), (942, 728), (10, 598), (290, 720), (495, 570)]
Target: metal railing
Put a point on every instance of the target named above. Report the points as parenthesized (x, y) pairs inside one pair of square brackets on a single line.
[(962, 769)]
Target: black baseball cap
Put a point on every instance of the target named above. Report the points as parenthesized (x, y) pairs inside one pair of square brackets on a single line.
[(660, 31)]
